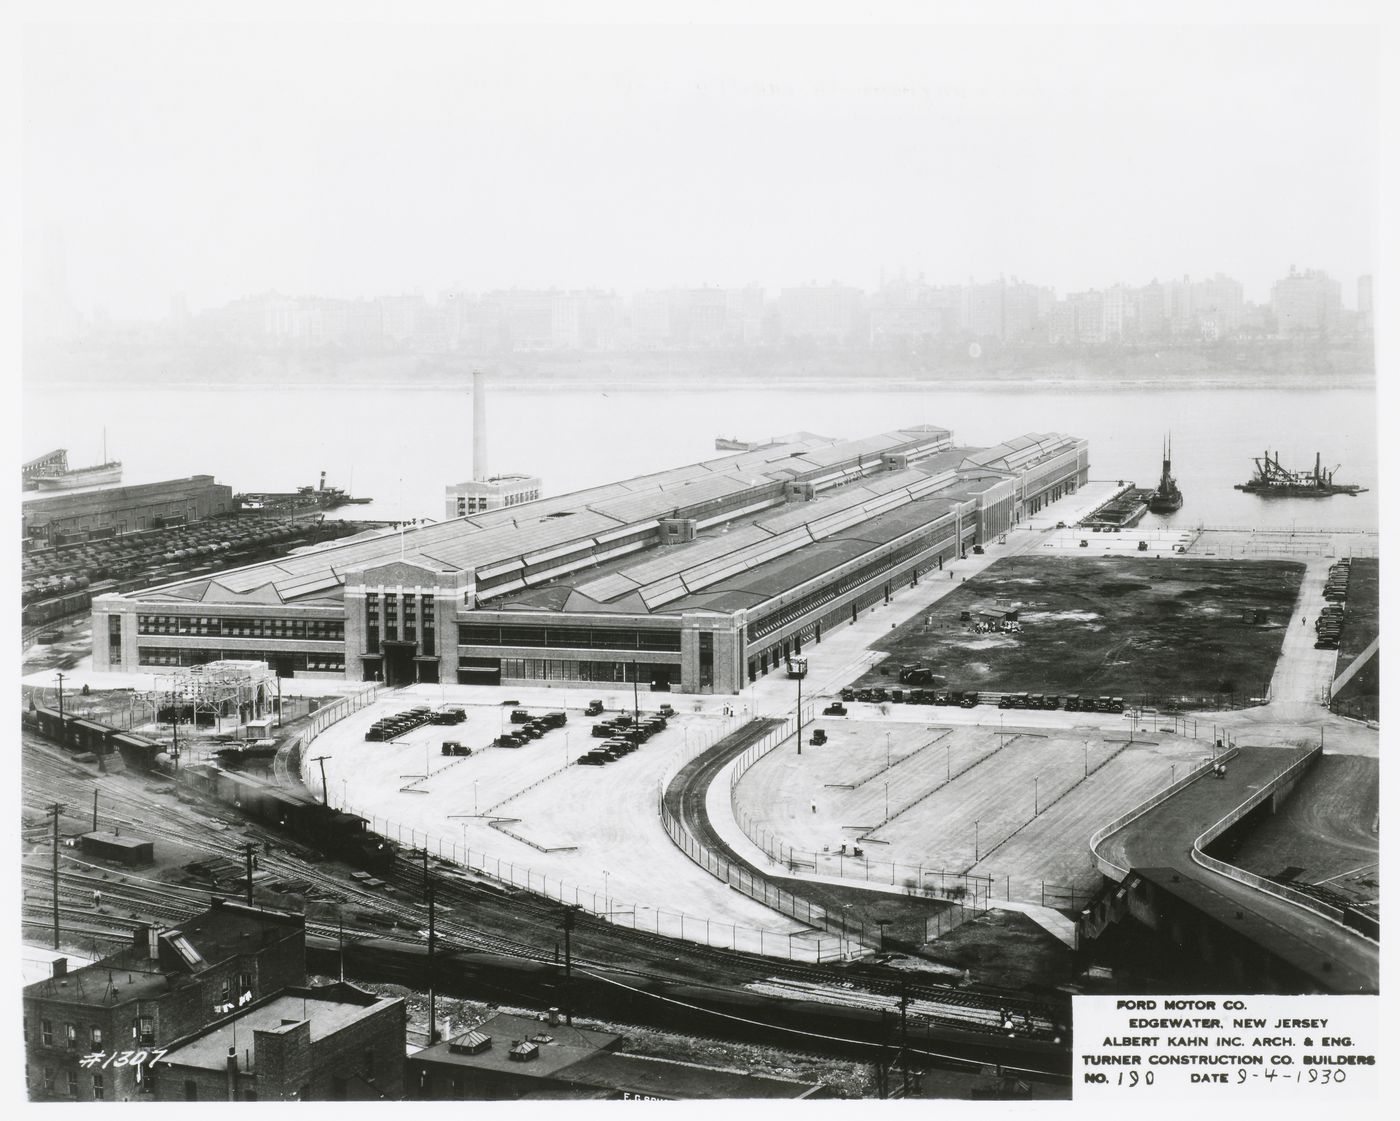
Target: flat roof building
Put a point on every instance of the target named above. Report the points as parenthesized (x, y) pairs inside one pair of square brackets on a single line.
[(515, 1058), (167, 984), (327, 1043), (51, 518), (698, 579)]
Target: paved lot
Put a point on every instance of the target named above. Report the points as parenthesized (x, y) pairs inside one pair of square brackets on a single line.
[(590, 833), (1018, 807)]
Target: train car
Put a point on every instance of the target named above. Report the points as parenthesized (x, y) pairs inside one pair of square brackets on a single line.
[(137, 752)]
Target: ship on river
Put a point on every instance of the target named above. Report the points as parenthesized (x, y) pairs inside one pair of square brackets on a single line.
[(1272, 480), (320, 497), (1167, 498)]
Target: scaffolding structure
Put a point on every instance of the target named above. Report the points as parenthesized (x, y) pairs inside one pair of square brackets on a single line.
[(208, 695)]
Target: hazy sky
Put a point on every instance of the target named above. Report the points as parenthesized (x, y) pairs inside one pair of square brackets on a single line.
[(362, 159)]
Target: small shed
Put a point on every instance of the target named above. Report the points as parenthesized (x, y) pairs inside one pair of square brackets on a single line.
[(260, 729), (986, 614), (134, 852)]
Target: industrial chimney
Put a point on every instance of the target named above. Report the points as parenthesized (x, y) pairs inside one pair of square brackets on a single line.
[(478, 426)]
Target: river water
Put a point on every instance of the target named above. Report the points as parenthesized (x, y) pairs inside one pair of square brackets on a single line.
[(402, 446)]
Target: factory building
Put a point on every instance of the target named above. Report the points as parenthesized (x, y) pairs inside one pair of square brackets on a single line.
[(495, 493), (699, 579), (483, 491), (58, 519)]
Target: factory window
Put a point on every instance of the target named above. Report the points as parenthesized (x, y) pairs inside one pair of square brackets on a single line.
[(70, 1036), (707, 658), (577, 638), (99, 1088), (146, 1031), (96, 1038), (46, 1033), (371, 639), (48, 1080), (72, 1083)]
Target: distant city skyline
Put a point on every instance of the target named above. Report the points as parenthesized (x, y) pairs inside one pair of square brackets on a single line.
[(901, 314), (350, 159)]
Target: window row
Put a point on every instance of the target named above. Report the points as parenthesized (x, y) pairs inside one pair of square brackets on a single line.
[(70, 1035), (283, 663), (579, 638), (320, 630), (556, 669)]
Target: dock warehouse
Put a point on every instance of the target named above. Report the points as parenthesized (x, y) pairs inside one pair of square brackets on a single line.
[(699, 579), (56, 518)]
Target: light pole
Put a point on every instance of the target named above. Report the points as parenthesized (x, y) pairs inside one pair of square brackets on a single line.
[(607, 907), (976, 843), (1086, 758), (60, 705), (1036, 781), (799, 712), (474, 801), (887, 801), (887, 751), (950, 763)]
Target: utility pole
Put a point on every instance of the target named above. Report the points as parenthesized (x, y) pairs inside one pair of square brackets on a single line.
[(904, 1034), (249, 848), (882, 1068), (56, 809), (570, 913), (432, 947), (799, 714), (423, 852), (636, 707), (94, 810), (324, 789), (279, 700), (60, 704)]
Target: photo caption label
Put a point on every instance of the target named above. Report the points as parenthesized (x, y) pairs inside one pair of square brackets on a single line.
[(1186, 1047)]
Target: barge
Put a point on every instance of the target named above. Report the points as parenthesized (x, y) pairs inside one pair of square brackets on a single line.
[(1272, 480)]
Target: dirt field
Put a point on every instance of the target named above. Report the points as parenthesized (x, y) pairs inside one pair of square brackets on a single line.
[(1167, 631)]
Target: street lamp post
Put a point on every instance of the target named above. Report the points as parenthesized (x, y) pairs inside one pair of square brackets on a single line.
[(976, 843), (799, 713), (887, 751), (1036, 781)]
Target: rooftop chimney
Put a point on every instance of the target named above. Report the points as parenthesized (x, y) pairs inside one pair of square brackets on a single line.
[(478, 426), (60, 967)]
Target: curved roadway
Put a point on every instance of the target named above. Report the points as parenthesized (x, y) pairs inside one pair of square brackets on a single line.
[(1163, 838)]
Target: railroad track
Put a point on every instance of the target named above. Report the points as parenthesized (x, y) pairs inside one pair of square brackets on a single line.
[(533, 922)]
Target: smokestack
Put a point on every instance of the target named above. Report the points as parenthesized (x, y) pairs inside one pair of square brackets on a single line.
[(231, 1073), (478, 426)]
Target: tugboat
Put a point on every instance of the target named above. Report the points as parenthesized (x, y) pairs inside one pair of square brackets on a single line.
[(1167, 498), (1275, 481)]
